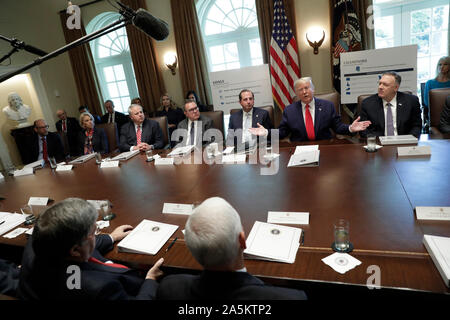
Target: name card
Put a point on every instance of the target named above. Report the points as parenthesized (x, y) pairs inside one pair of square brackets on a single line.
[(433, 213), (288, 217), (228, 150), (38, 201), (64, 168), (176, 208), (164, 161), (109, 164), (234, 158), (417, 151), (15, 233), (23, 172)]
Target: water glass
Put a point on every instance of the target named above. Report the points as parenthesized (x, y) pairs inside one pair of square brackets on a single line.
[(341, 235)]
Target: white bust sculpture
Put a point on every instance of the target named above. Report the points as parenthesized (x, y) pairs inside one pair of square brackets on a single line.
[(16, 110)]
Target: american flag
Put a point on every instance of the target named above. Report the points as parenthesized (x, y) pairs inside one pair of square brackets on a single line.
[(341, 46), (283, 58)]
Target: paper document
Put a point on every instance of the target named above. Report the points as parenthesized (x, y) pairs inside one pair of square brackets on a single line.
[(305, 159), (64, 167), (15, 233), (300, 149), (234, 158), (9, 221), (83, 159), (439, 250), (176, 208), (228, 150), (109, 164), (23, 172), (433, 213), (164, 162), (126, 155), (38, 201), (147, 238), (273, 242), (36, 164), (401, 139), (288, 217), (181, 151)]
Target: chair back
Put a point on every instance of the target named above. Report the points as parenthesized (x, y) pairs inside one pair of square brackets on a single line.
[(335, 98), (437, 100), (164, 125), (217, 118), (111, 134), (65, 142)]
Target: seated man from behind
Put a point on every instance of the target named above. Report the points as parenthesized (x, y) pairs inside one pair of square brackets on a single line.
[(63, 259), (215, 238)]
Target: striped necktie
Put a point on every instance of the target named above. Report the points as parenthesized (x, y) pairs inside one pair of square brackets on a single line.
[(138, 135), (389, 120)]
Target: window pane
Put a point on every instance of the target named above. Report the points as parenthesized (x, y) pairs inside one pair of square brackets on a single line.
[(118, 71), (423, 69), (234, 65), (212, 27), (109, 74), (255, 48), (126, 102), (123, 88), (118, 105), (420, 21), (216, 54), (439, 42), (103, 52), (384, 28), (423, 43), (440, 18), (112, 89), (225, 5), (231, 52)]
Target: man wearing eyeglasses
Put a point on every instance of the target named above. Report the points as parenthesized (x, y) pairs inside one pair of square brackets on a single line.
[(195, 124), (45, 144)]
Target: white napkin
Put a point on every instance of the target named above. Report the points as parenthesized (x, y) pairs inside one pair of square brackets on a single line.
[(341, 262)]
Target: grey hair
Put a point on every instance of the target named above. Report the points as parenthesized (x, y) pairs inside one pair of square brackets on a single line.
[(212, 233), (187, 101), (61, 226), (84, 114), (134, 105), (397, 77), (304, 80)]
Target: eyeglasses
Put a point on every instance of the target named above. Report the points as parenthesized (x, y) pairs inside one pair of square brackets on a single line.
[(193, 109), (44, 127)]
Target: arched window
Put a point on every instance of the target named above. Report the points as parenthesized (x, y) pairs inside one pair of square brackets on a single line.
[(113, 62), (230, 33)]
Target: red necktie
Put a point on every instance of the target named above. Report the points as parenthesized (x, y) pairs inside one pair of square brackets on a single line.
[(138, 135), (64, 126), (114, 265), (44, 149), (309, 124)]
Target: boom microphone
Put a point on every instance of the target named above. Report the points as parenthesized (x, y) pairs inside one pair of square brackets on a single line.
[(143, 20)]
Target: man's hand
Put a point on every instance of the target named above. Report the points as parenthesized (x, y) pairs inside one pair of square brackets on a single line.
[(144, 147), (121, 232), (260, 131), (359, 125), (154, 272)]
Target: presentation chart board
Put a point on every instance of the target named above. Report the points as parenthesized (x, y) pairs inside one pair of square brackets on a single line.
[(226, 85), (361, 70)]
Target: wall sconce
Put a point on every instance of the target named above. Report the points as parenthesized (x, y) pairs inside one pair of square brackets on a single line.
[(315, 38), (170, 60)]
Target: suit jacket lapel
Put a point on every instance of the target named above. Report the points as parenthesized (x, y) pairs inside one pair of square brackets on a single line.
[(317, 116), (400, 105), (301, 120), (380, 114)]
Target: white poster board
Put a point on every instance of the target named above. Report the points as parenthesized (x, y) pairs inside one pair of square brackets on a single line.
[(226, 85), (361, 70)]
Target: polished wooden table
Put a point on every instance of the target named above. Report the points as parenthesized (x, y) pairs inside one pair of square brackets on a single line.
[(376, 192)]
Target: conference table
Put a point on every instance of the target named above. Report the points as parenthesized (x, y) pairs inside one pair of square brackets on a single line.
[(376, 192)]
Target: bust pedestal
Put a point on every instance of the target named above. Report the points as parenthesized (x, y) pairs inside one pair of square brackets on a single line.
[(23, 137)]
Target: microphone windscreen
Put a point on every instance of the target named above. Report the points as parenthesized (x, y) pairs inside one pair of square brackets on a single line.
[(152, 26)]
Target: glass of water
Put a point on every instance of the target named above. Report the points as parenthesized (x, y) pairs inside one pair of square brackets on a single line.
[(341, 235), (98, 158), (52, 162), (371, 143)]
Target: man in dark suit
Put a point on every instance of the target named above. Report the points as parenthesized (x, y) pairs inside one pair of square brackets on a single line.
[(112, 116), (45, 144), (246, 118), (390, 111), (215, 238), (193, 127), (444, 122), (71, 129), (63, 259), (140, 133)]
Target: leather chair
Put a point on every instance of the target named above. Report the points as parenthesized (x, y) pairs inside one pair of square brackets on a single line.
[(335, 98), (164, 125), (437, 100), (217, 118), (111, 134), (364, 96), (65, 142), (269, 109)]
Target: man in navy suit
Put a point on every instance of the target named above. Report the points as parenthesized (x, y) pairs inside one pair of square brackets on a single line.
[(71, 129), (390, 111), (140, 133), (215, 237), (246, 118), (45, 144), (63, 259)]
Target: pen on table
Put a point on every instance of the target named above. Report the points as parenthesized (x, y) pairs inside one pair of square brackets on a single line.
[(302, 238), (2, 222), (171, 244)]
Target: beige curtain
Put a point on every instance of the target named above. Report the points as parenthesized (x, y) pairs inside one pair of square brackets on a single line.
[(145, 62), (190, 50), (264, 11), (364, 10), (83, 68)]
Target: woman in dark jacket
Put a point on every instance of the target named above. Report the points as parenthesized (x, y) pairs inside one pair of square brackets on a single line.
[(169, 109), (92, 139)]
